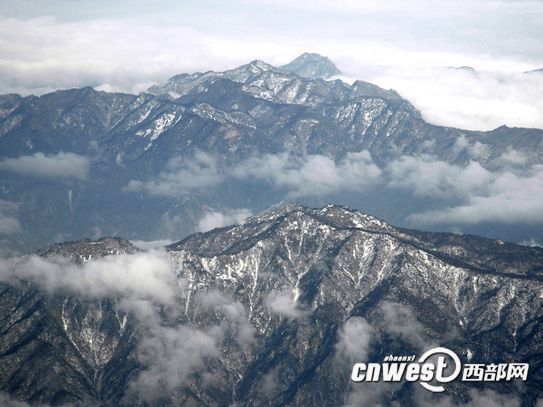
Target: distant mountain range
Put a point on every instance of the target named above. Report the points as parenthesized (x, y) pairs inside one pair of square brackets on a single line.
[(81, 163), (272, 312)]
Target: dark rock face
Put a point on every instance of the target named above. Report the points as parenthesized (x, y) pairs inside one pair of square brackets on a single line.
[(291, 299)]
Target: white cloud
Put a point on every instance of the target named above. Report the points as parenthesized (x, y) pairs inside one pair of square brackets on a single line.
[(425, 176), (283, 303), (181, 176), (9, 225), (308, 175), (505, 197), (42, 54), (353, 346), (216, 219), (61, 165), (146, 276), (512, 158), (270, 382), (482, 100), (238, 321), (531, 243), (170, 355), (400, 320), (477, 150), (8, 222), (505, 190), (312, 175), (370, 394), (354, 339), (150, 244)]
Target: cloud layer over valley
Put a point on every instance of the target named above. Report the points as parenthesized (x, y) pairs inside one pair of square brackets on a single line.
[(506, 189)]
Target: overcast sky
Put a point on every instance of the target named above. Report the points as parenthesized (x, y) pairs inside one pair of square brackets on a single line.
[(405, 45)]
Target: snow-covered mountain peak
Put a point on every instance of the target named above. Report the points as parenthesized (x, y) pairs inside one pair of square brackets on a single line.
[(312, 65)]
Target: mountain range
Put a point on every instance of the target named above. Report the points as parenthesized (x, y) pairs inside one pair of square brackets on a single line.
[(216, 145), (274, 311), (271, 312)]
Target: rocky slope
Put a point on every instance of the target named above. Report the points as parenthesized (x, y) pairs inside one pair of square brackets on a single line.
[(272, 312)]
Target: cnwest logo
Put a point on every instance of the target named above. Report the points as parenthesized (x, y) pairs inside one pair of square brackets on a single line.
[(436, 367)]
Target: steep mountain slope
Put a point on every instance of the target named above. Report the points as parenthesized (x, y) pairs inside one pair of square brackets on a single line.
[(274, 311), (62, 348)]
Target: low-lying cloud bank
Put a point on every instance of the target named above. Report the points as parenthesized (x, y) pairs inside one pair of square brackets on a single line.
[(299, 176), (219, 219), (60, 165), (466, 98), (504, 189), (504, 196), (143, 276), (182, 176), (311, 175)]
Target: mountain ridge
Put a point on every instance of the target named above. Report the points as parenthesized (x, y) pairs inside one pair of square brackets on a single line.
[(128, 144), (278, 291)]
